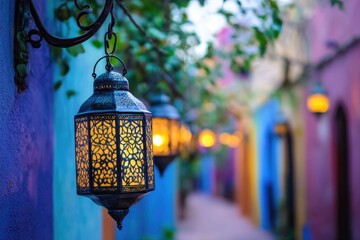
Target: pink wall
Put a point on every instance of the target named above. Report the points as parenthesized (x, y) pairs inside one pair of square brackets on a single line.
[(342, 80)]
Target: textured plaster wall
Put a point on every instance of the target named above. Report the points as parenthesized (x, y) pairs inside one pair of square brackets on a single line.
[(26, 143), (154, 214), (75, 217), (342, 80)]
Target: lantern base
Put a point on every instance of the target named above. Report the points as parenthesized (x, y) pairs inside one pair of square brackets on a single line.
[(118, 216), (162, 162)]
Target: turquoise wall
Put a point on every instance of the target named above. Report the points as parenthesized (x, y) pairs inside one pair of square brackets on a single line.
[(75, 217), (154, 215), (268, 144)]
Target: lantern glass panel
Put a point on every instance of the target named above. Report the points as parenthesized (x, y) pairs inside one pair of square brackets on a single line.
[(82, 154), (103, 152), (161, 136), (131, 146)]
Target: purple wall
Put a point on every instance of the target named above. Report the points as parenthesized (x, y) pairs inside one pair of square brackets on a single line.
[(26, 145), (342, 80)]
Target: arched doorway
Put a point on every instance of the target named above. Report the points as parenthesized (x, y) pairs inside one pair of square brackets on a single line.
[(343, 222)]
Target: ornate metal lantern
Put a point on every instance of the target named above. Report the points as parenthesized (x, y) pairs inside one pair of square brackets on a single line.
[(113, 136), (318, 101), (166, 131)]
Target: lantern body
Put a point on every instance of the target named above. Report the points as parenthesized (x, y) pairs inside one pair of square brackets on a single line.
[(318, 102), (113, 146), (230, 140), (166, 131)]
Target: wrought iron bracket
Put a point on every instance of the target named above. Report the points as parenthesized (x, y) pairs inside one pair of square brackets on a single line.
[(25, 10), (35, 36)]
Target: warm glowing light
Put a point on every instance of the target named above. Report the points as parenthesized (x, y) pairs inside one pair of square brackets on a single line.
[(281, 128), (225, 138), (318, 103), (207, 138), (158, 140), (185, 136), (230, 140)]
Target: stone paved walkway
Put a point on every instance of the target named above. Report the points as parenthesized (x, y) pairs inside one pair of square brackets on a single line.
[(210, 218)]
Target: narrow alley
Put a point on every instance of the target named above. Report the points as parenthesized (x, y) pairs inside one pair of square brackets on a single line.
[(209, 218)]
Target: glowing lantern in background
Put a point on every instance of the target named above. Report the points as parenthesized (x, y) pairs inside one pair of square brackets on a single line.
[(318, 101), (230, 140), (166, 131), (207, 138), (281, 126)]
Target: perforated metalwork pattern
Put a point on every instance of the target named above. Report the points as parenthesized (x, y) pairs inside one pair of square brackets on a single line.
[(82, 154), (149, 157), (132, 152), (103, 152)]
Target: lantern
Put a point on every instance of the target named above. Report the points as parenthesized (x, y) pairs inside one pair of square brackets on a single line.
[(318, 101), (166, 131), (281, 125), (230, 140), (113, 146), (207, 138)]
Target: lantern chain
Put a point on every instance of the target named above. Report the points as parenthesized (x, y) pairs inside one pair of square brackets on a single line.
[(108, 36)]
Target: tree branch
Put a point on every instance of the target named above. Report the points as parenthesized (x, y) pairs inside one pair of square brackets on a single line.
[(127, 13)]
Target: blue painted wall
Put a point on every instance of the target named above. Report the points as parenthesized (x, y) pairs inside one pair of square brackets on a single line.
[(75, 217), (207, 173), (155, 213), (26, 143), (268, 163)]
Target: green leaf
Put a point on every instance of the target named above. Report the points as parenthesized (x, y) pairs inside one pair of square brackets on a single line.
[(260, 36), (97, 44), (155, 33), (57, 85), (62, 13), (338, 3), (76, 50), (64, 67), (21, 69), (70, 93)]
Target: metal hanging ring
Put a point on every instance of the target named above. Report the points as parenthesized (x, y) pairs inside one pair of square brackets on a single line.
[(107, 44), (109, 56), (34, 38)]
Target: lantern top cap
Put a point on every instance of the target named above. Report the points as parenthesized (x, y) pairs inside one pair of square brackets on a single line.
[(161, 107), (318, 88), (159, 99), (111, 81)]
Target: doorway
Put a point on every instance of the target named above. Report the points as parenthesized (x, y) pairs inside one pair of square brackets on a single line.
[(343, 218)]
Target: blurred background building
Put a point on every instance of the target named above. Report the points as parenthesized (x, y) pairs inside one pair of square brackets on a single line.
[(274, 171)]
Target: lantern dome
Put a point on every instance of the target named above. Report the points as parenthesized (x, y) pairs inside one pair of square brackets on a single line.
[(113, 146)]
